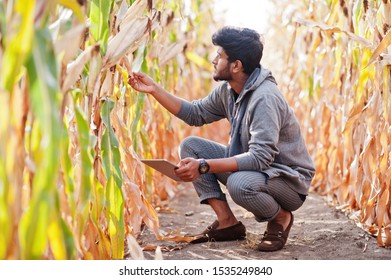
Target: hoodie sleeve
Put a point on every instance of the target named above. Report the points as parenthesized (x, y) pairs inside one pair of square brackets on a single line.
[(206, 110)]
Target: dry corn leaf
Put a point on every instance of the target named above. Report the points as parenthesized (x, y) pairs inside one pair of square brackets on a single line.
[(135, 251), (134, 11), (95, 70), (158, 253), (75, 68), (335, 29), (163, 248), (382, 47), (179, 238), (385, 59), (171, 51), (381, 207), (126, 40), (122, 11), (69, 43)]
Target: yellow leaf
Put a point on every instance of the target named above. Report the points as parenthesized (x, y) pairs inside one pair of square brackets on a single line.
[(55, 235), (380, 48), (74, 6)]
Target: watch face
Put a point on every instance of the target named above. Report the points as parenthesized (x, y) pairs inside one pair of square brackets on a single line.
[(203, 168)]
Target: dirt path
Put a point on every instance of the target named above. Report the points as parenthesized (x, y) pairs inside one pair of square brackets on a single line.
[(319, 233)]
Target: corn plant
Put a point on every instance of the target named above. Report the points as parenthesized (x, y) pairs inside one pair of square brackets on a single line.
[(337, 75), (73, 131)]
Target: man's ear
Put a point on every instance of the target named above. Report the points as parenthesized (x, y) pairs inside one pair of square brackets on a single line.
[(237, 66)]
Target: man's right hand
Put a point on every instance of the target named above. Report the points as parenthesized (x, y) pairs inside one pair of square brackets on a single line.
[(142, 82)]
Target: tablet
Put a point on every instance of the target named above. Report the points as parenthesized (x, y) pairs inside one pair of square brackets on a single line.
[(163, 166)]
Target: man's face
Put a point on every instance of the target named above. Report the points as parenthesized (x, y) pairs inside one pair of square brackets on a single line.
[(222, 66)]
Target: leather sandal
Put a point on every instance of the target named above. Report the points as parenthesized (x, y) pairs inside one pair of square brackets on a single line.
[(275, 235), (212, 234)]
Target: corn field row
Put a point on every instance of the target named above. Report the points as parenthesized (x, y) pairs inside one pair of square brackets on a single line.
[(337, 73), (72, 131)]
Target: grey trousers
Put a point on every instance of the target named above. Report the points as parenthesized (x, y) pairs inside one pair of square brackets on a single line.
[(251, 190)]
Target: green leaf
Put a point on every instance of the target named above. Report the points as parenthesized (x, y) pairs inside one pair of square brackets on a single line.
[(86, 143), (111, 160), (44, 89), (33, 227), (60, 237), (86, 158), (16, 52), (96, 214), (99, 20), (68, 173), (3, 20), (115, 217), (5, 215), (138, 110), (70, 245), (110, 146)]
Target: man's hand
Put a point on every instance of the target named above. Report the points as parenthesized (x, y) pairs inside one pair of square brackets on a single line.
[(142, 82), (188, 169)]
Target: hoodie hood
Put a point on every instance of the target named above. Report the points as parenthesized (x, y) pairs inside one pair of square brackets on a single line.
[(256, 78), (239, 107)]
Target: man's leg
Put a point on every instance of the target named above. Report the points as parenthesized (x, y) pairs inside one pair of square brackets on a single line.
[(263, 197), (207, 186), (224, 214), (269, 200)]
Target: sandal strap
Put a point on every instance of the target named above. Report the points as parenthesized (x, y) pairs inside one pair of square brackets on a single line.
[(278, 234), (274, 238), (214, 225)]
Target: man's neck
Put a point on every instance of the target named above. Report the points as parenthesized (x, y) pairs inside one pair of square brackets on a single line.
[(238, 82)]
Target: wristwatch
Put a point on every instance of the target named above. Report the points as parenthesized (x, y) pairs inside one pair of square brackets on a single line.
[(203, 168)]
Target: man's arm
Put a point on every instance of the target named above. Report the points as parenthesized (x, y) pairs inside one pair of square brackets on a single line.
[(142, 82), (188, 167)]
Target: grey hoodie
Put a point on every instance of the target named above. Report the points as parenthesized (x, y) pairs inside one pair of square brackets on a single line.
[(265, 135)]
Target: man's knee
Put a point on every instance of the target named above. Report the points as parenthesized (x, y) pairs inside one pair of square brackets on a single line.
[(238, 188), (244, 192), (186, 147)]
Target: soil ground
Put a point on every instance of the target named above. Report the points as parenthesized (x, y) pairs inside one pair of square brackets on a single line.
[(320, 232)]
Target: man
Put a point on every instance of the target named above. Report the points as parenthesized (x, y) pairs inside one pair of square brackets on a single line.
[(266, 166)]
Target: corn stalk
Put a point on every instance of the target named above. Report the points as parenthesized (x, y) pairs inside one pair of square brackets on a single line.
[(337, 75), (72, 131)]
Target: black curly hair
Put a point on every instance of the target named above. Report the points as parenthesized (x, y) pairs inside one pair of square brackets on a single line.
[(242, 44)]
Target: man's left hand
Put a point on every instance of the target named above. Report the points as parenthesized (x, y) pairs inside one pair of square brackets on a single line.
[(188, 169)]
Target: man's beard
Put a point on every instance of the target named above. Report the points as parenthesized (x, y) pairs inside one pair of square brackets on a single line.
[(223, 75)]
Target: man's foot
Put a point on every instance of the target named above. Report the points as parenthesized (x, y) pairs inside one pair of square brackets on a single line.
[(213, 233), (275, 236)]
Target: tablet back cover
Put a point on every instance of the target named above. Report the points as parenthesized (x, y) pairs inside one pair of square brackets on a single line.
[(163, 166)]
